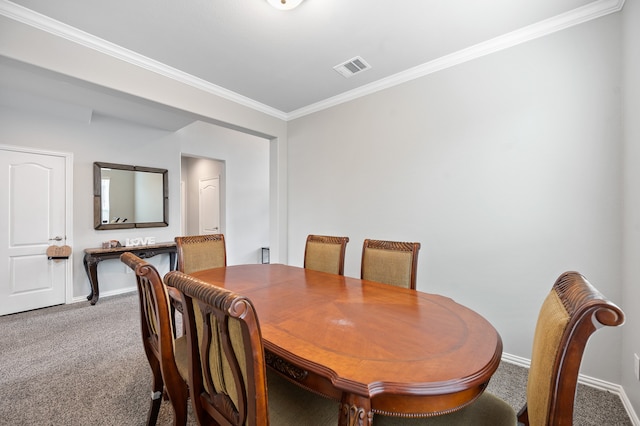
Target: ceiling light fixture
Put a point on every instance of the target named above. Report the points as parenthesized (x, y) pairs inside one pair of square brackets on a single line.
[(284, 4)]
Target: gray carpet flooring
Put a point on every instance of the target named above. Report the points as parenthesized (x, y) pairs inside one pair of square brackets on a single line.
[(78, 365)]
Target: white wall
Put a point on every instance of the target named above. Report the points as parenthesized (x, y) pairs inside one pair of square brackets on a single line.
[(506, 169), (110, 140), (631, 270)]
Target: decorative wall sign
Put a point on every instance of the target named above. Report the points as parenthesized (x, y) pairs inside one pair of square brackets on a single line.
[(135, 242)]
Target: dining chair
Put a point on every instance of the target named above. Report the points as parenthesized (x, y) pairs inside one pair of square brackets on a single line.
[(198, 252), (390, 262), (228, 381), (325, 253), (167, 356), (571, 312)]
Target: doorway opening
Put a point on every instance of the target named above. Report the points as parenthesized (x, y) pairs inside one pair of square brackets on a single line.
[(202, 196)]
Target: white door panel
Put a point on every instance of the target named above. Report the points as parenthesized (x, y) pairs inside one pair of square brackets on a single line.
[(32, 215), (29, 215), (209, 216)]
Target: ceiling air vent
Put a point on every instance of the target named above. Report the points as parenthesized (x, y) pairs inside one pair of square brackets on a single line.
[(352, 67)]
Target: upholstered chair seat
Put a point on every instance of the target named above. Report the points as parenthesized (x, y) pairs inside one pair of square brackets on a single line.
[(289, 404), (488, 410), (181, 355)]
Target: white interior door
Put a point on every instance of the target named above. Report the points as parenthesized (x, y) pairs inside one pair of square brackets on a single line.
[(209, 210), (32, 217)]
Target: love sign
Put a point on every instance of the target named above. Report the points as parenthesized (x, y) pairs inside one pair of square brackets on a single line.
[(141, 241)]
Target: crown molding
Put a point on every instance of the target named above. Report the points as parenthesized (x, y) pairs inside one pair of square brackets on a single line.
[(594, 10), (59, 29), (566, 20)]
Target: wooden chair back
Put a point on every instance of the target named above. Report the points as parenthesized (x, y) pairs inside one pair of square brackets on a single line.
[(198, 252), (325, 253), (390, 262), (571, 312), (226, 356), (167, 357)]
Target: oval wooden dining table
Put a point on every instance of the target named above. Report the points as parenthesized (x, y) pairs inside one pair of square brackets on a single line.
[(375, 348)]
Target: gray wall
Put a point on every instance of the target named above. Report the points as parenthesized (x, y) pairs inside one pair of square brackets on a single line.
[(631, 259), (505, 168)]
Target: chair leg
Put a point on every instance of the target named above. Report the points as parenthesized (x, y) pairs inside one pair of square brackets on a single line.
[(156, 394), (179, 399), (154, 410), (180, 413)]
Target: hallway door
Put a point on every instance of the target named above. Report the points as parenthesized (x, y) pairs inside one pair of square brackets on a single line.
[(209, 212), (33, 212)]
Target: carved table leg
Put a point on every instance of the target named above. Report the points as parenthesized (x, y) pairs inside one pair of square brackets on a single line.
[(355, 410), (91, 268)]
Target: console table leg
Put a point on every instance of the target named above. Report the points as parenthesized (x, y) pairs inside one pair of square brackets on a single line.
[(91, 268)]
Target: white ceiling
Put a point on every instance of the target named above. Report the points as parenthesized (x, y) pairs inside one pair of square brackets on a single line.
[(283, 60)]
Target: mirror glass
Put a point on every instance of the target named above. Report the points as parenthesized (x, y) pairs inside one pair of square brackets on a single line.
[(129, 196)]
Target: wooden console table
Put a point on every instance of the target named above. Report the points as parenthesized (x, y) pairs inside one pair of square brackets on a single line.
[(93, 256)]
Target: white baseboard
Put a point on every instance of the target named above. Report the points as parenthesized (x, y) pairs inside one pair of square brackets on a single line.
[(517, 360), (588, 381), (106, 294), (627, 404)]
